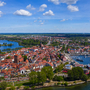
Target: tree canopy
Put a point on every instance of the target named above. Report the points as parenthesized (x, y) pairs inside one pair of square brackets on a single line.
[(76, 73), (3, 85), (33, 77), (41, 77), (8, 57), (49, 72), (37, 77)]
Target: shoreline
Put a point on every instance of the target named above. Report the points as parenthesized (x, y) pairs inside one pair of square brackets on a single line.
[(54, 84), (69, 85), (70, 59)]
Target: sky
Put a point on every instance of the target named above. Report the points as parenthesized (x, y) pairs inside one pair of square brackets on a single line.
[(44, 16)]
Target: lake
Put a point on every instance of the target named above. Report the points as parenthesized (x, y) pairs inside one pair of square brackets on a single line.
[(15, 45), (86, 60), (85, 86)]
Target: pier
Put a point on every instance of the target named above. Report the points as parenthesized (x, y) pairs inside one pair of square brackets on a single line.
[(77, 54)]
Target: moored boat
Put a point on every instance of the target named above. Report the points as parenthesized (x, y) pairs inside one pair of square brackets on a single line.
[(78, 59)]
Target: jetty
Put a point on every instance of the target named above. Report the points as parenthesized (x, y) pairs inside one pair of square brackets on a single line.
[(77, 54)]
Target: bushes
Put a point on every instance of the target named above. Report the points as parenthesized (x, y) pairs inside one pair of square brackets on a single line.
[(33, 87), (62, 83), (66, 84), (58, 78), (26, 88), (12, 88), (58, 84), (8, 57), (74, 81), (60, 67), (55, 84), (18, 87)]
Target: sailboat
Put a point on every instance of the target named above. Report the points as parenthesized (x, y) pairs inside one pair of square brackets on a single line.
[(85, 56), (79, 59)]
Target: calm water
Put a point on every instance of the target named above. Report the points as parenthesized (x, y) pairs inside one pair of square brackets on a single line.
[(15, 44), (86, 60), (78, 87)]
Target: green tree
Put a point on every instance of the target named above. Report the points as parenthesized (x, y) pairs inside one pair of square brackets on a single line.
[(3, 85), (25, 57), (84, 77), (63, 48), (49, 72), (41, 77), (12, 88), (76, 73), (0, 51), (8, 57), (26, 88), (59, 56), (58, 78), (66, 84), (33, 78), (70, 75), (60, 67)]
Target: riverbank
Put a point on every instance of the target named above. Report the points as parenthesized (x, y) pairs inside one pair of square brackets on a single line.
[(54, 84)]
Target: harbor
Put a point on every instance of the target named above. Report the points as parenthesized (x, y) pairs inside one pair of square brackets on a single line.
[(78, 58), (81, 59)]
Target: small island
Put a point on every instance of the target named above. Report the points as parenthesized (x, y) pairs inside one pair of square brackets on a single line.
[(5, 44)]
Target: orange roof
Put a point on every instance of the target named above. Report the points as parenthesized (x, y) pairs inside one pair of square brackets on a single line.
[(50, 63)]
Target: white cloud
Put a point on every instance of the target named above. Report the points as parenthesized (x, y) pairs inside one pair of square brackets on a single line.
[(2, 3), (42, 7), (30, 7), (42, 23), (1, 13), (63, 1), (35, 20), (22, 12), (55, 1), (69, 1), (72, 8), (63, 20), (38, 18), (48, 13)]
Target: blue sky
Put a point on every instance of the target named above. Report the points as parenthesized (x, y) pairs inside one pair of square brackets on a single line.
[(44, 16)]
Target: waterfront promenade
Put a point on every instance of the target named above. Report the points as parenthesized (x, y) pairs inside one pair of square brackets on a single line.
[(77, 54), (68, 56)]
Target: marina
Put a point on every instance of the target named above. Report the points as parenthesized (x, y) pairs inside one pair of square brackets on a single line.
[(79, 59), (82, 59)]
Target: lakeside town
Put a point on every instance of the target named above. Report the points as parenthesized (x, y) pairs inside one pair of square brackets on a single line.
[(16, 65), (44, 45)]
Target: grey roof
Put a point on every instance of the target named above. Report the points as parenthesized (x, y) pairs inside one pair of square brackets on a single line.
[(68, 65), (88, 65)]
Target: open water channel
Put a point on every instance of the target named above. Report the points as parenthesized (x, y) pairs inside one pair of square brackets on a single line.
[(85, 86)]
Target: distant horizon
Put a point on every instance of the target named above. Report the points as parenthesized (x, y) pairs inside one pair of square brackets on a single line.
[(44, 33)]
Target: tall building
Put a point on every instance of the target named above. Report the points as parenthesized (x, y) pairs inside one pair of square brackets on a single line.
[(16, 58)]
